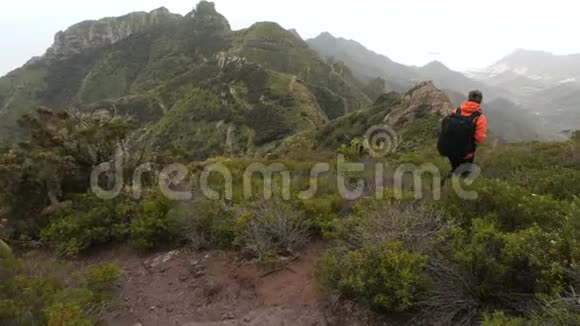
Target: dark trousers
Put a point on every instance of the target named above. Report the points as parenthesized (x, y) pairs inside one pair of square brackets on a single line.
[(461, 166)]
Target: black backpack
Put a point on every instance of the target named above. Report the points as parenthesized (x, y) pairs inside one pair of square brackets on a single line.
[(457, 134)]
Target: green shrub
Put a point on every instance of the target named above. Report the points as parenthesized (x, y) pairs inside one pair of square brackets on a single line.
[(514, 267), (66, 314), (323, 211), (420, 133), (152, 228), (102, 277), (558, 314), (89, 222), (511, 206), (49, 292), (205, 224), (561, 183), (509, 158), (384, 276), (501, 319)]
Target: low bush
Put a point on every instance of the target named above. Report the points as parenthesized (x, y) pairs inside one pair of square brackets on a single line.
[(47, 292), (501, 319), (503, 161), (89, 222), (415, 225), (322, 211), (482, 268), (385, 235), (205, 224), (99, 278), (511, 206), (385, 276), (561, 183), (151, 228), (60, 314), (272, 228), (507, 251), (552, 315)]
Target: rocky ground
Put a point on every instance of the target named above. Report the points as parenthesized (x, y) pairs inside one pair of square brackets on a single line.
[(217, 288)]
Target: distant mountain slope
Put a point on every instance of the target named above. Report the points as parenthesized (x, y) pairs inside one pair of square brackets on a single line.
[(368, 65), (365, 64), (537, 65), (445, 78), (545, 84), (278, 49), (201, 88), (513, 123)]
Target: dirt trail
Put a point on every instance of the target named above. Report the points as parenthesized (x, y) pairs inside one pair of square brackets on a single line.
[(214, 288)]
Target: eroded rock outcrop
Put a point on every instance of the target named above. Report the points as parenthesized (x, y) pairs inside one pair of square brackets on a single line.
[(97, 33), (424, 99)]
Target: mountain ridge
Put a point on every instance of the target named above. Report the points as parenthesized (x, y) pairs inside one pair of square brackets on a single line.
[(521, 124), (192, 80), (129, 60)]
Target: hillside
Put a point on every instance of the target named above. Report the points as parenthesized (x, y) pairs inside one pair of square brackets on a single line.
[(158, 169), (369, 65), (536, 65), (365, 64), (540, 82), (509, 121), (151, 65), (144, 257)]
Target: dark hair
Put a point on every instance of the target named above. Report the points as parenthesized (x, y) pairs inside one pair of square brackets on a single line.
[(475, 96)]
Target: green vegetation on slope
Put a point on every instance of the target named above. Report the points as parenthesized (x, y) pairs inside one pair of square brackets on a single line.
[(261, 73), (204, 93)]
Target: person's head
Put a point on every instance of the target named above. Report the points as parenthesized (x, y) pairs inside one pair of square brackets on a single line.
[(476, 96)]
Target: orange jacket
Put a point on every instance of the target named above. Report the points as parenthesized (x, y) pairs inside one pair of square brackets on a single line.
[(467, 108)]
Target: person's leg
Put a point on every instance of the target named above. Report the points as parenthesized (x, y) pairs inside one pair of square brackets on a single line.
[(455, 163), (464, 168)]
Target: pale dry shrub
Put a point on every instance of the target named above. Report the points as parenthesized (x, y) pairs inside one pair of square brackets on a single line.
[(272, 228)]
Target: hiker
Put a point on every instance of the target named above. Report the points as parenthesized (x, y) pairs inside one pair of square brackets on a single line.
[(461, 132)]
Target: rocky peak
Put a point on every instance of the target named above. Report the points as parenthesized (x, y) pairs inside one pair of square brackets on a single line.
[(206, 8), (160, 11), (205, 14), (436, 65), (203, 8), (98, 33), (424, 98), (295, 33), (325, 35)]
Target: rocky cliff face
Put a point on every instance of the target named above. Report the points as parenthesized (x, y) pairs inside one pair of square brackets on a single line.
[(424, 99), (94, 34)]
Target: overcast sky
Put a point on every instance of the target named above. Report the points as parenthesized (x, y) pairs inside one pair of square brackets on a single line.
[(463, 34)]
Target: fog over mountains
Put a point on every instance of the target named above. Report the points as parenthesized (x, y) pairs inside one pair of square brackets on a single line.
[(537, 92), (547, 85)]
